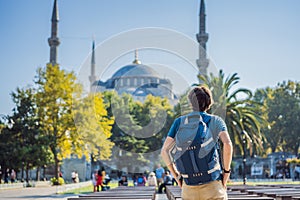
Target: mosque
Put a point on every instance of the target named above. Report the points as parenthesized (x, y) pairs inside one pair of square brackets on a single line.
[(136, 78)]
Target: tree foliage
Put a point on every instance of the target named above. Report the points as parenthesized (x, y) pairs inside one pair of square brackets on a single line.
[(55, 91), (239, 111), (139, 128), (24, 147), (93, 127), (53, 121), (282, 105)]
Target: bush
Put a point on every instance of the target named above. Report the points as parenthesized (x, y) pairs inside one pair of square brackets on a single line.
[(60, 181), (293, 160)]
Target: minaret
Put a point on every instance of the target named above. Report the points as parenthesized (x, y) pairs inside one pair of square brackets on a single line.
[(93, 67), (53, 40), (202, 38)]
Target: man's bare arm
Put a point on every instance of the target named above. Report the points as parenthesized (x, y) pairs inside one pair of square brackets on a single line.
[(227, 154), (169, 142)]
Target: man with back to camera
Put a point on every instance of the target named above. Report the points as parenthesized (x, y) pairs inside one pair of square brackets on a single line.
[(211, 182)]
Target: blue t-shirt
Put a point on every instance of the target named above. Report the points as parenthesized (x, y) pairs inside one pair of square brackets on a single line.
[(216, 124), (159, 172)]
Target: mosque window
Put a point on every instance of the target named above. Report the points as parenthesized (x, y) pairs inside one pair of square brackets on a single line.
[(128, 82), (135, 82), (131, 81)]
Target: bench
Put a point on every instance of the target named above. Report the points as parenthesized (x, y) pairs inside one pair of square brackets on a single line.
[(124, 193), (278, 192)]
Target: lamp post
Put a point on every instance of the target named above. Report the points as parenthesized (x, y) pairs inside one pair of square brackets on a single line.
[(243, 133)]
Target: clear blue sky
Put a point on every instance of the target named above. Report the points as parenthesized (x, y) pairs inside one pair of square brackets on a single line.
[(257, 39)]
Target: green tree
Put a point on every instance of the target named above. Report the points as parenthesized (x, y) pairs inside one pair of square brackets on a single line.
[(183, 107), (6, 144), (139, 128), (239, 111), (26, 148), (129, 148), (283, 113), (156, 118), (56, 91)]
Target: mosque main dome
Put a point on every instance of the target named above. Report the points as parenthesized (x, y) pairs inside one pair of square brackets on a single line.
[(134, 70), (139, 80)]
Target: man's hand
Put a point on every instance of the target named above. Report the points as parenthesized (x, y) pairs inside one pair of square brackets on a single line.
[(179, 180), (225, 179)]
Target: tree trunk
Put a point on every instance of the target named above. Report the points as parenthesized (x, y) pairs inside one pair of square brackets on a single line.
[(22, 173), (273, 147), (54, 151), (44, 173), (296, 150), (27, 175), (56, 167), (38, 174), (92, 165)]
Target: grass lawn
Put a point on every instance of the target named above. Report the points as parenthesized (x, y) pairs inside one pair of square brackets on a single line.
[(114, 184), (90, 189)]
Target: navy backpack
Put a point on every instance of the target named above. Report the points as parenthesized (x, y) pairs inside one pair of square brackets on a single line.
[(196, 153)]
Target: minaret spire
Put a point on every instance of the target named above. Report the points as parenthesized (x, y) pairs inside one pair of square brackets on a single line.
[(202, 38), (53, 40), (202, 17), (93, 67), (136, 59)]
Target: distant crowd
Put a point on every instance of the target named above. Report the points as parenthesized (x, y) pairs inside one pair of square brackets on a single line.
[(158, 178), (9, 176)]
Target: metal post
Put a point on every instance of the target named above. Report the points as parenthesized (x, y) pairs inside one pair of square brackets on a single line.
[(244, 157)]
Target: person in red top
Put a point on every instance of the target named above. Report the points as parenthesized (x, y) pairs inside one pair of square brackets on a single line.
[(99, 180)]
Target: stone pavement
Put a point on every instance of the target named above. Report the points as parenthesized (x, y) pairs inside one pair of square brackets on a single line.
[(34, 193), (161, 197), (45, 192)]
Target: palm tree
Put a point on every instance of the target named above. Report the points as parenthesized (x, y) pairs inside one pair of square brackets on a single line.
[(239, 111)]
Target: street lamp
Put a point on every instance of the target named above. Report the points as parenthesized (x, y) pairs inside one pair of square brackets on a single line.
[(243, 133)]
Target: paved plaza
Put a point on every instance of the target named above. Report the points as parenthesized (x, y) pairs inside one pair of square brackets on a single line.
[(45, 192), (34, 193)]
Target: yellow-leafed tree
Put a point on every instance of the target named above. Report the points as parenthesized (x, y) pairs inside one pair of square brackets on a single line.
[(93, 127), (71, 124)]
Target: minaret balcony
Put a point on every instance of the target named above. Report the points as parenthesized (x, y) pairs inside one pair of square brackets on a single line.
[(53, 41), (202, 37)]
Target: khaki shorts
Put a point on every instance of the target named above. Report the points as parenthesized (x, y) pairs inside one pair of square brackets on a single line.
[(159, 181), (209, 191)]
